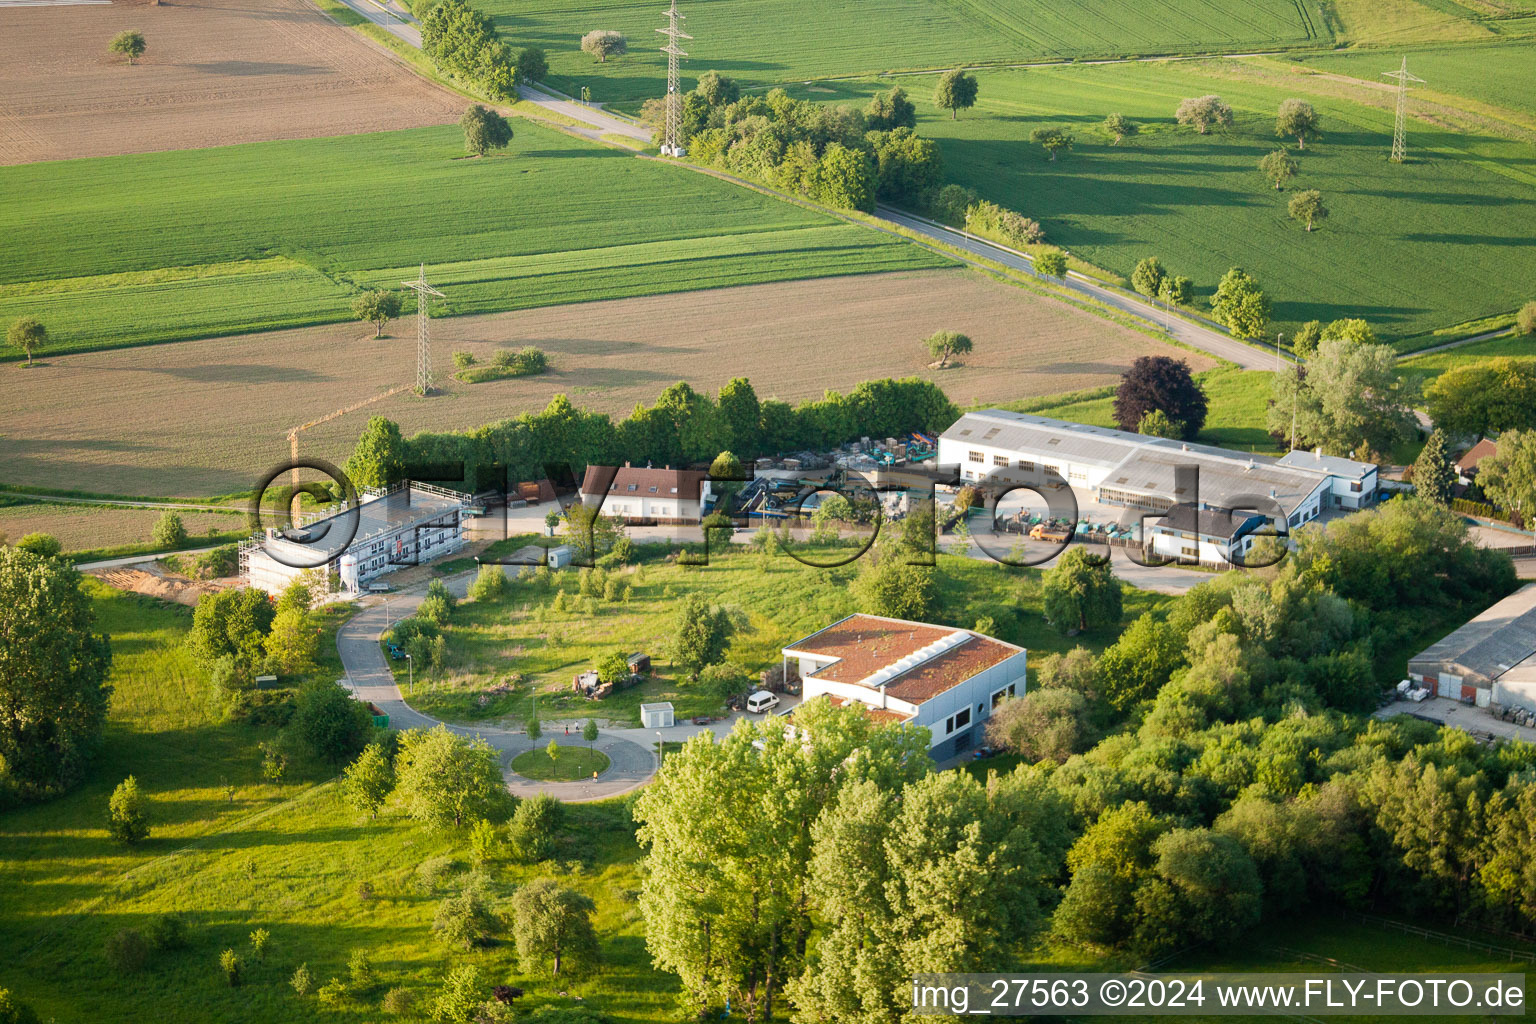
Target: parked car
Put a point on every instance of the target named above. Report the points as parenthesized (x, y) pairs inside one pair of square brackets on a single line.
[(762, 702)]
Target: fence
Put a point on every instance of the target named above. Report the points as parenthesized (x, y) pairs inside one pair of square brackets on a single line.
[(1447, 938)]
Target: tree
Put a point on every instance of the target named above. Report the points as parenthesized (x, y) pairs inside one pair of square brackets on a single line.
[(43, 545), (844, 177), (1525, 320), (1155, 423), (1349, 329), (889, 586), (368, 781), (700, 633), (1201, 112), (717, 90), (53, 672), (232, 967), (461, 997), (1508, 477), (741, 413), (613, 667), (1277, 167), (14, 1011), (532, 64), (1484, 398), (490, 583), (1052, 139), (126, 820), (1081, 592), (1296, 117), (553, 927), (1308, 207), (1304, 344), (535, 826), (445, 781), (1135, 666), (890, 110), (463, 920), (1241, 305), (943, 344), (1043, 725), (234, 624), (907, 166), (1433, 474), (1163, 383), (378, 308), (956, 91), (1051, 263), (169, 532), (293, 643), (1176, 291), (589, 732), (602, 44), (1120, 127), (331, 724), (484, 130), (129, 44), (378, 460), (1346, 396), (28, 335), (1148, 276)]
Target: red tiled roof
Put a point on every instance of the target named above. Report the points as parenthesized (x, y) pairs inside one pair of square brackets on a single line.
[(864, 644), (1477, 453), (640, 481)]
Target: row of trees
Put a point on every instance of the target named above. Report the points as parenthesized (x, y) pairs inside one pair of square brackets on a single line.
[(463, 43), (840, 155), (684, 426)]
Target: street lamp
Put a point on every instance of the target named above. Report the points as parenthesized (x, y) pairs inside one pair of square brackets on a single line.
[(410, 675), (386, 613), (658, 750)]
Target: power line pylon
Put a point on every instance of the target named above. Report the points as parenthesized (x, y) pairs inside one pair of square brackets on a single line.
[(424, 294), (672, 137), (1400, 127)]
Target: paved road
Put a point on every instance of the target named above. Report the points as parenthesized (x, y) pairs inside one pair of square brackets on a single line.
[(1195, 335), (113, 563), (1458, 344), (392, 19), (602, 122)]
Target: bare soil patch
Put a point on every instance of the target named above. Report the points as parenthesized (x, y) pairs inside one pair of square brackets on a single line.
[(216, 72), (211, 416)]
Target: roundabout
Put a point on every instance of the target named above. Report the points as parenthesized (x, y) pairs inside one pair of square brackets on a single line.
[(570, 764)]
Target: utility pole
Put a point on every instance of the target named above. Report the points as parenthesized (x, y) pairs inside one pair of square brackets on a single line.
[(424, 295), (1400, 127), (672, 144)]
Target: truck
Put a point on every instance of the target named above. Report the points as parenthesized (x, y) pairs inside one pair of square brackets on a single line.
[(1050, 531)]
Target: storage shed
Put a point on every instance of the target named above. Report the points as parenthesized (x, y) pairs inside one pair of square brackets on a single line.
[(656, 716), (560, 557), (1490, 659)]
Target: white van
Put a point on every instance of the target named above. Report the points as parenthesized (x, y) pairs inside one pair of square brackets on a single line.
[(762, 701)]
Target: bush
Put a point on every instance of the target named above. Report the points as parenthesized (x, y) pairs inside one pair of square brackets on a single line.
[(360, 968), (14, 1011), (434, 872), (259, 940), (490, 584), (127, 951), (169, 531), (168, 932), (126, 821), (301, 980), (534, 827), (398, 1001), (331, 724), (463, 921), (463, 360), (1013, 228), (231, 965), (1525, 320), (333, 993)]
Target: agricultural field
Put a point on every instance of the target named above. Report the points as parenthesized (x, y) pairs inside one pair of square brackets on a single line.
[(210, 417), (91, 527), (765, 42), (1398, 22), (169, 246), (215, 73), (1410, 248), (1496, 76), (504, 654)]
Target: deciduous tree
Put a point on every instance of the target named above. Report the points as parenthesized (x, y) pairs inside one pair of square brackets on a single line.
[(1346, 396), (1484, 398), (956, 91), (1148, 276), (1120, 127), (445, 781), (1307, 207), (942, 345), (126, 820), (1298, 118), (368, 781), (535, 827), (553, 927), (532, 65), (1054, 140), (377, 307), (604, 43), (1160, 382), (700, 633), (378, 459), (129, 44), (890, 110), (1277, 167), (484, 130), (1201, 112), (1241, 305), (27, 334), (1081, 592), (1043, 725), (1509, 476), (1051, 263)]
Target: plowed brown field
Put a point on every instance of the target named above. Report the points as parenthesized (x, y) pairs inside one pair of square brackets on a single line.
[(209, 417), (216, 72)]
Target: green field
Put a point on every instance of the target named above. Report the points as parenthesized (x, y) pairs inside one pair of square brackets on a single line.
[(166, 246), (772, 41), (1499, 76), (1443, 239)]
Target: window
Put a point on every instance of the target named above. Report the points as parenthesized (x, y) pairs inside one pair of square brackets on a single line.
[(1000, 460), (998, 696), (963, 718), (1354, 488), (975, 457), (1078, 475), (1026, 464), (1189, 552)]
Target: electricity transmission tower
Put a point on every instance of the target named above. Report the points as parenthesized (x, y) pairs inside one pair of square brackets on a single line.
[(672, 142), (1399, 129), (424, 294)]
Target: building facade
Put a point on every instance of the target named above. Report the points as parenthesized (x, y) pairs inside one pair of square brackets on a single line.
[(911, 673), (1489, 660), (1207, 534), (645, 495)]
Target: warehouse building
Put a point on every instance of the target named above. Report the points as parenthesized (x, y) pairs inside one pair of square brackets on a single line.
[(407, 524), (1114, 467), (1490, 660)]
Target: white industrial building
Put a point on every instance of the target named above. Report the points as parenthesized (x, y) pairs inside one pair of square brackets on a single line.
[(644, 495), (911, 673), (406, 525), (1207, 534), (1135, 471), (1490, 660)]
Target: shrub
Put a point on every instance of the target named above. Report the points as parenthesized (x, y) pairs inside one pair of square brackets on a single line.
[(231, 965), (301, 980), (1525, 320), (127, 951), (463, 360), (259, 939), (490, 584), (484, 842), (169, 530), (168, 932), (534, 827), (434, 872), (463, 921), (1013, 228), (360, 968), (398, 1001), (365, 890), (333, 993), (126, 821)]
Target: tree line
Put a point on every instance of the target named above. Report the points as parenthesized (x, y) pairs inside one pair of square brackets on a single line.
[(463, 43)]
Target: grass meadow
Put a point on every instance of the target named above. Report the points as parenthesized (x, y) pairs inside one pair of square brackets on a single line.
[(506, 654), (764, 42), (1496, 75), (1412, 248), (166, 246)]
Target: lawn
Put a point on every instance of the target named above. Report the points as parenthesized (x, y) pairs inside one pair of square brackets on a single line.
[(568, 764), (165, 246), (764, 42), (1433, 364), (503, 655), (1440, 240)]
